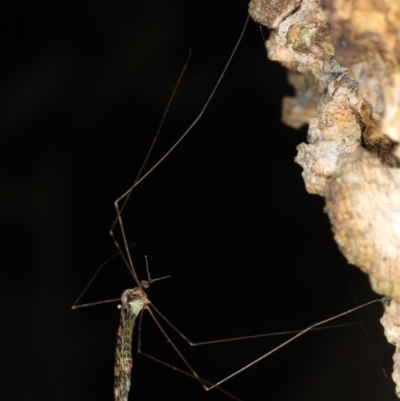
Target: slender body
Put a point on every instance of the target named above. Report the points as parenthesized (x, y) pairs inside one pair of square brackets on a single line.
[(132, 302)]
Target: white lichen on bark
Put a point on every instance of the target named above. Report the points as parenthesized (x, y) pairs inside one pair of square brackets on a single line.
[(343, 61)]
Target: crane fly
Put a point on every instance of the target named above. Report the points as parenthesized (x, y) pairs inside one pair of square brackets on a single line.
[(135, 300)]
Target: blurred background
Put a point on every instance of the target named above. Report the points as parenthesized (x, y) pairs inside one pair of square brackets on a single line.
[(227, 215)]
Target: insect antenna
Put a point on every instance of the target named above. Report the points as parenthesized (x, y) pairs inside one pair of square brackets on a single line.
[(146, 283)]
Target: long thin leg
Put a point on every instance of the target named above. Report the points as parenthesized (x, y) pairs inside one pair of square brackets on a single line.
[(194, 376), (299, 334), (125, 196), (140, 177), (76, 304), (250, 337), (294, 338)]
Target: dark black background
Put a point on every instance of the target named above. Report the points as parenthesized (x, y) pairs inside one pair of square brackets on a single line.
[(226, 215)]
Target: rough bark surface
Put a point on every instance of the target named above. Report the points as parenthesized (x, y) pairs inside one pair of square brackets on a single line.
[(362, 202), (343, 61), (391, 323)]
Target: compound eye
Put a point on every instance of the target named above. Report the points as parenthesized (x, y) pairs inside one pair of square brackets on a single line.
[(145, 284)]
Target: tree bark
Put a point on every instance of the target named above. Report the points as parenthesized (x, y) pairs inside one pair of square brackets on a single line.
[(343, 61)]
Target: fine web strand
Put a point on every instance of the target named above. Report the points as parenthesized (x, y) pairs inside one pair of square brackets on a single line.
[(366, 335)]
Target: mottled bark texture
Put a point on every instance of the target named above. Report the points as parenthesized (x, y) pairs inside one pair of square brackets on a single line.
[(343, 61)]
